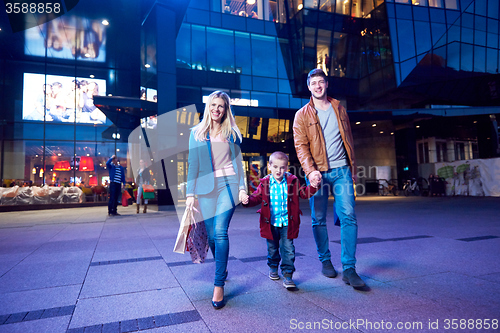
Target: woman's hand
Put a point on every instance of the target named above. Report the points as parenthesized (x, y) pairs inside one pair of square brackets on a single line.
[(190, 203), (243, 197)]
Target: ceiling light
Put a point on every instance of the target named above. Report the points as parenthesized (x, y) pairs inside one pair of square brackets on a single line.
[(105, 22), (87, 55), (300, 7), (147, 65), (417, 126), (374, 125), (251, 2), (92, 76), (358, 122)]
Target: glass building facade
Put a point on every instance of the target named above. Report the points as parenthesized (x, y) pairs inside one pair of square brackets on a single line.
[(380, 56)]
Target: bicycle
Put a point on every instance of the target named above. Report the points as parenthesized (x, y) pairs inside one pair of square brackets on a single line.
[(411, 186), (387, 187)]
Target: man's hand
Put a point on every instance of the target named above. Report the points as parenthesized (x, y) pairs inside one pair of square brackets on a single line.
[(314, 177), (316, 182), (243, 197), (190, 203)]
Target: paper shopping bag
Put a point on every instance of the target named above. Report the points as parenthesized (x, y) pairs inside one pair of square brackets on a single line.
[(197, 241), (125, 197), (182, 235)]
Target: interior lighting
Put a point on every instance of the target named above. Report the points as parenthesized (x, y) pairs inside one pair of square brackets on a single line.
[(374, 125), (92, 76), (417, 126), (147, 65), (105, 22), (358, 122), (392, 133), (381, 132), (251, 2), (34, 171), (300, 7)]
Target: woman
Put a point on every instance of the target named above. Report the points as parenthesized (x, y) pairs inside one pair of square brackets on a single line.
[(215, 175), (142, 178)]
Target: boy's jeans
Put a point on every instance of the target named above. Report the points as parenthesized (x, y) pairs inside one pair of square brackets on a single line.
[(281, 244), (338, 182)]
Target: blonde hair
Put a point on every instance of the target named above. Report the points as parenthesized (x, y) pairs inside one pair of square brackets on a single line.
[(278, 155), (228, 124)]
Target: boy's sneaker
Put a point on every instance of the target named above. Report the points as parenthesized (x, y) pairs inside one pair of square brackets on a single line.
[(273, 274), (288, 282), (328, 270)]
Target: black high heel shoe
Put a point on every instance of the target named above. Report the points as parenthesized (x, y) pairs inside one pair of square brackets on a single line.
[(220, 304)]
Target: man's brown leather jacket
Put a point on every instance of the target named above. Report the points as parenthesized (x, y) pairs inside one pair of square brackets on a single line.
[(310, 142)]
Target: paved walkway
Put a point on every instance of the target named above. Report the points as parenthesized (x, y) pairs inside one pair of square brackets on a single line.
[(426, 261)]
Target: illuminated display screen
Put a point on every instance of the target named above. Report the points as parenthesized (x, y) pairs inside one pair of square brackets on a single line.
[(68, 37), (62, 98)]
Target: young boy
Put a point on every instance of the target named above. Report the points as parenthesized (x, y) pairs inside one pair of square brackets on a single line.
[(278, 194)]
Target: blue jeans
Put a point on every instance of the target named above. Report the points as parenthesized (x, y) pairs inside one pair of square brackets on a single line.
[(281, 243), (217, 208), (115, 189), (338, 182)]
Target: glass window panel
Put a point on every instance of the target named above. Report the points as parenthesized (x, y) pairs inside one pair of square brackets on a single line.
[(492, 26), (480, 23), (452, 17), (437, 15), (436, 3), (264, 56), (422, 36), (392, 32), (403, 12), (265, 84), (420, 3), (198, 48), (310, 34), (480, 38), (466, 51), (492, 40), (407, 67), (480, 8), (343, 7), (454, 34), (468, 20), (284, 86), (243, 57), (493, 9), (420, 13), (220, 42), (406, 39), (391, 11), (264, 99), (403, 1), (183, 44), (327, 5), (245, 82), (492, 61), (313, 4), (323, 50), (283, 101), (338, 54), (242, 123), (200, 4), (453, 60), (451, 4), (479, 59), (467, 35)]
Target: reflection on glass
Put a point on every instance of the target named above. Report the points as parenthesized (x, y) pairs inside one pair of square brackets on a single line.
[(436, 3), (62, 98), (323, 50), (68, 37)]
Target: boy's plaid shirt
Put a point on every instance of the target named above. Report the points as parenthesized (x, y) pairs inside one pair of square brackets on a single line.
[(278, 194)]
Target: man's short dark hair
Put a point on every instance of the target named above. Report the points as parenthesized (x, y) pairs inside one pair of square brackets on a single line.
[(316, 72)]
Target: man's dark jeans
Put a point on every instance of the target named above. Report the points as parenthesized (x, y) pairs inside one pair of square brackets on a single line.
[(115, 190)]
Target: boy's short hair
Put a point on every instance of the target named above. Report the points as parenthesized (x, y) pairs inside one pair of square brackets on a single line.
[(316, 72), (278, 155)]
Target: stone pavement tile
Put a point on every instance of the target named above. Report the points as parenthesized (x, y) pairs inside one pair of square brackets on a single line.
[(52, 257), (254, 245), (79, 231), (108, 309), (493, 277), (166, 249), (453, 289), (425, 318), (345, 302), (133, 277), (52, 325), (28, 276), (38, 299), (6, 266), (196, 326), (265, 311), (197, 280)]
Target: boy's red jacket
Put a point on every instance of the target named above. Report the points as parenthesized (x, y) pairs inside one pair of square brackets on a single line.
[(261, 196)]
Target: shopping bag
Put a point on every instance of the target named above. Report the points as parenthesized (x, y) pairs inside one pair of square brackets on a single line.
[(197, 241), (182, 235), (135, 194), (148, 188), (125, 197), (148, 195)]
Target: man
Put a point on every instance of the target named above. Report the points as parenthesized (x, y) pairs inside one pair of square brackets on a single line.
[(117, 182), (324, 145)]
